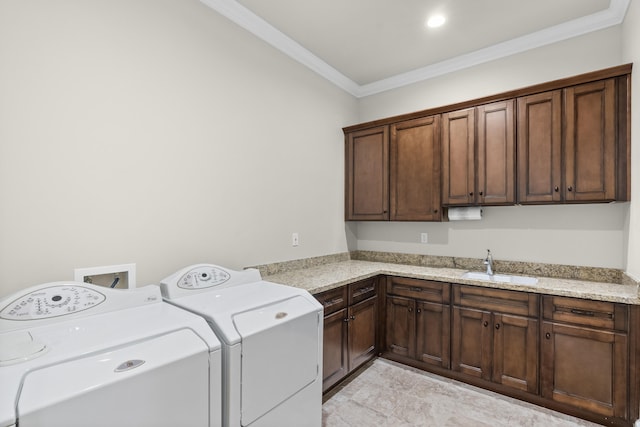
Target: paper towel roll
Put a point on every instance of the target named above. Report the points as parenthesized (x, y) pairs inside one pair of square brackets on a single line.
[(466, 213)]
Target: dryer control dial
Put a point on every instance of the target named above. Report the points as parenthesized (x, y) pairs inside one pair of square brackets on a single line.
[(53, 301), (203, 277)]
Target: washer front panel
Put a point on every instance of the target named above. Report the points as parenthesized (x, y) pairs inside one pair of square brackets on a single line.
[(53, 301)]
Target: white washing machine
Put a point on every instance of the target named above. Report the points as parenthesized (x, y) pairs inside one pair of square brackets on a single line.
[(75, 354), (271, 343)]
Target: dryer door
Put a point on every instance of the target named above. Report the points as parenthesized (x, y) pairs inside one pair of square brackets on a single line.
[(281, 353), (159, 382)]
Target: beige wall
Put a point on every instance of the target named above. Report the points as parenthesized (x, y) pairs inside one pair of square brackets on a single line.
[(631, 53), (591, 235), (157, 132)]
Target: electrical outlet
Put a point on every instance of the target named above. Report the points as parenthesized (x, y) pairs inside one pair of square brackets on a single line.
[(424, 238), (295, 239), (121, 276)]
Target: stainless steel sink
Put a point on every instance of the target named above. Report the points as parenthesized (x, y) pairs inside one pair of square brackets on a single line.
[(500, 278)]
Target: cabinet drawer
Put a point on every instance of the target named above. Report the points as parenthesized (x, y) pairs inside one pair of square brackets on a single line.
[(498, 300), (333, 300), (419, 289), (599, 314), (362, 290)]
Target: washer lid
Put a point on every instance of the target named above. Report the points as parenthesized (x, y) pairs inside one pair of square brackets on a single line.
[(19, 347)]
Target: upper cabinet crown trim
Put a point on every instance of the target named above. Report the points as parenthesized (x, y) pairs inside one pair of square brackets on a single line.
[(606, 73)]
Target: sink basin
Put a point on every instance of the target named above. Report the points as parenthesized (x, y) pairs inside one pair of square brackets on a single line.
[(501, 278)]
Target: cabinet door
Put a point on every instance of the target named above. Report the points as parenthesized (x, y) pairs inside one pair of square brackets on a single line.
[(415, 170), (496, 153), (367, 174), (458, 157), (540, 148), (400, 333), (432, 333), (362, 337), (515, 352), (590, 144), (334, 351), (471, 342), (585, 368)]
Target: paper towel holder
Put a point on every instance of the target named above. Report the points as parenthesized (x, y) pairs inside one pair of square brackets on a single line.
[(465, 213)]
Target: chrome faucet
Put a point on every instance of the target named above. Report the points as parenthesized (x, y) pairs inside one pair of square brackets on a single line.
[(488, 261)]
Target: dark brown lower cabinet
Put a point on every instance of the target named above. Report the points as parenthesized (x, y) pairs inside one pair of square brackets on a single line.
[(334, 362), (581, 357), (361, 334), (495, 336), (350, 328), (418, 320), (585, 350)]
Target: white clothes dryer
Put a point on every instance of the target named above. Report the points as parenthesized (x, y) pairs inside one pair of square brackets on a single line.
[(76, 354), (271, 339)]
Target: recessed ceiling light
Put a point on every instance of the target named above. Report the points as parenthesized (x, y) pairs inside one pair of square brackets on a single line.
[(435, 21)]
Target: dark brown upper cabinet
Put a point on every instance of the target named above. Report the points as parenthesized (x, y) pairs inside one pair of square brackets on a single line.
[(415, 170), (564, 141), (367, 174), (479, 155), (540, 147), (496, 153), (572, 144), (393, 172), (590, 142), (458, 157)]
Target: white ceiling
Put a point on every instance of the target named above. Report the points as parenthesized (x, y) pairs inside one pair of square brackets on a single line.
[(369, 46)]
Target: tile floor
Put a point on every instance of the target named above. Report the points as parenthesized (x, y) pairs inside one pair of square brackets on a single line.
[(390, 394)]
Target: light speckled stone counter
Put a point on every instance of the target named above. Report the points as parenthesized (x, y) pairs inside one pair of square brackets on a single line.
[(328, 276)]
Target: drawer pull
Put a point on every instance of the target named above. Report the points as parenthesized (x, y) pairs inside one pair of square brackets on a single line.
[(485, 324), (497, 326), (582, 312), (547, 335), (408, 288), (363, 291), (333, 302)]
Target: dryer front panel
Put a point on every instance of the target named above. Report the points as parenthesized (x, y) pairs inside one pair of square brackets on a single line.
[(280, 354)]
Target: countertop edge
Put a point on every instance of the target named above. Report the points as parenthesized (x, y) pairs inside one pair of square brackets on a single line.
[(333, 275)]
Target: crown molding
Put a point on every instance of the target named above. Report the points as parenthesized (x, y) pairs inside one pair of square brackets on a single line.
[(242, 16)]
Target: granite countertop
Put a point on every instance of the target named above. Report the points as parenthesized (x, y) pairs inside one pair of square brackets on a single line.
[(328, 276)]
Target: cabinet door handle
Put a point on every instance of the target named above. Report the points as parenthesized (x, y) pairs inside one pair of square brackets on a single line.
[(471, 193), (481, 193), (346, 319), (353, 318), (485, 324), (435, 211), (497, 326), (547, 335), (556, 189), (410, 309), (419, 310), (570, 188)]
